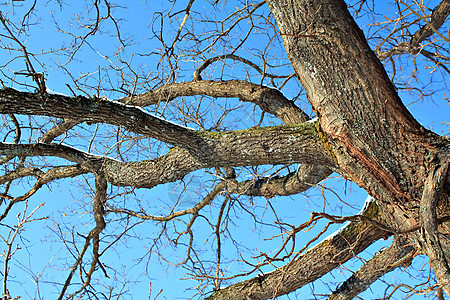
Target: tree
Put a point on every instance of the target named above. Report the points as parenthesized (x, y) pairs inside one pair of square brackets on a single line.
[(227, 138)]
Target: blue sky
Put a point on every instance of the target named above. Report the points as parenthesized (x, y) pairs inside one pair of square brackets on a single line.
[(67, 202)]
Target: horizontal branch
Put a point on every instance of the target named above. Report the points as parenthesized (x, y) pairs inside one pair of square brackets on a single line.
[(95, 110), (44, 177), (173, 166), (86, 160), (149, 173), (271, 145), (296, 182), (258, 146)]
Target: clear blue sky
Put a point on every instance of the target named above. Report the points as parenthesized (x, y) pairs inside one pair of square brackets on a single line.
[(63, 200)]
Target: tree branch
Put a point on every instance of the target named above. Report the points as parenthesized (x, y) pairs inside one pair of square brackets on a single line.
[(86, 160), (209, 61), (94, 236), (96, 110), (45, 177), (270, 100), (296, 182), (437, 19), (429, 236), (399, 253), (57, 130), (306, 268), (272, 145)]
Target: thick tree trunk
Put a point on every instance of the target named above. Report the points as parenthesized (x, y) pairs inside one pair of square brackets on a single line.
[(376, 141)]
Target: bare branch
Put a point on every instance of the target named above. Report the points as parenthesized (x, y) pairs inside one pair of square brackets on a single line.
[(209, 61), (270, 100), (307, 267), (192, 211), (94, 236), (437, 19), (296, 182), (399, 254), (59, 129)]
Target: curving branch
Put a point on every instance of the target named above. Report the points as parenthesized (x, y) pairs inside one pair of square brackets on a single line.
[(94, 237), (43, 178), (269, 100), (209, 61), (79, 109), (57, 130)]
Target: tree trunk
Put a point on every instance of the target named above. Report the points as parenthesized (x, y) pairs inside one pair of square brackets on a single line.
[(376, 141)]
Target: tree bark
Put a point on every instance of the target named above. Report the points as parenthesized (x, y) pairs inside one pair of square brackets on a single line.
[(376, 141), (429, 238)]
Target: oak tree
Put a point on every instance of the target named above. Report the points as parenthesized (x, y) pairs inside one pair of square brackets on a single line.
[(232, 107)]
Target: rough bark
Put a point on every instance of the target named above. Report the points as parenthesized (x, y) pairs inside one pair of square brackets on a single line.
[(272, 145), (376, 141), (429, 238)]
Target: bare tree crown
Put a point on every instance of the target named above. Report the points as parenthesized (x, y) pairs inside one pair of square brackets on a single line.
[(223, 139)]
